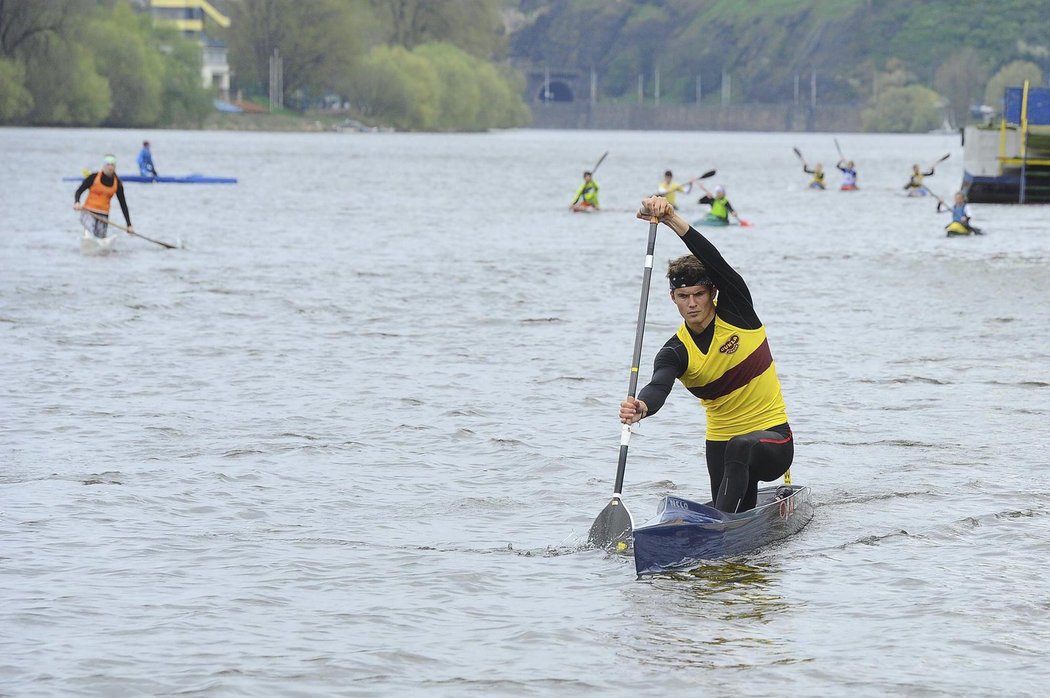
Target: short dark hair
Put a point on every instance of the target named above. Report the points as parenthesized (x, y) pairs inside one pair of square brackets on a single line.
[(668, 174), (687, 267)]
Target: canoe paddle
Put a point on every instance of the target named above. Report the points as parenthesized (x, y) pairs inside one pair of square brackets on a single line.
[(595, 168), (799, 153), (706, 175), (613, 526), (129, 232), (940, 161), (841, 157)]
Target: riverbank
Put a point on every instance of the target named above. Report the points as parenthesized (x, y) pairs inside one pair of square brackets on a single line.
[(224, 121)]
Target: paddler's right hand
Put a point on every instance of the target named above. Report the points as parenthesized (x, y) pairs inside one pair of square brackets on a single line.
[(632, 410), (77, 206), (655, 206)]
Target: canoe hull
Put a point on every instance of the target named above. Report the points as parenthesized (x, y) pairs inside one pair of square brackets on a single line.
[(711, 221), (181, 179), (956, 229), (685, 533), (91, 246)]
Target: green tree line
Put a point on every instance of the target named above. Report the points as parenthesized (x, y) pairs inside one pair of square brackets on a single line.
[(78, 63), (413, 64), (912, 64)]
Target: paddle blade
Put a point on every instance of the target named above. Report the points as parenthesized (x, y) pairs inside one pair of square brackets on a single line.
[(600, 161), (612, 528), (709, 173), (744, 224), (799, 153)]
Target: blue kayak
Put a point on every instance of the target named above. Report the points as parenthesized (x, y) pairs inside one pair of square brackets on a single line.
[(180, 179), (685, 533)]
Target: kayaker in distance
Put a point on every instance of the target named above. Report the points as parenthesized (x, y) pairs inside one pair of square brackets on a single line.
[(721, 355), (849, 175), (101, 186), (146, 168), (915, 187), (721, 209), (961, 217), (818, 175), (586, 196), (669, 188)]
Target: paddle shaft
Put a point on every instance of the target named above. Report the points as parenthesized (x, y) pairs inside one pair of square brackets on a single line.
[(940, 161), (636, 358), (129, 232), (841, 158), (600, 160)]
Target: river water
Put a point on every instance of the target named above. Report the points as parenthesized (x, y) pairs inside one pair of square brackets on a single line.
[(350, 438)]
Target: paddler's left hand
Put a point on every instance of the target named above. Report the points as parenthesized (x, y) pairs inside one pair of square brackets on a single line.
[(131, 229)]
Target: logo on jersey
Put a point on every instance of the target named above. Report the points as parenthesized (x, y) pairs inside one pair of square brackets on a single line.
[(731, 345)]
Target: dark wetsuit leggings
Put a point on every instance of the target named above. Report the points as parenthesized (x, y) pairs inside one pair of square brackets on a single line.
[(736, 466)]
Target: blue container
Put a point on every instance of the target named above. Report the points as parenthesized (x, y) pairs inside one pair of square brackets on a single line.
[(1038, 105)]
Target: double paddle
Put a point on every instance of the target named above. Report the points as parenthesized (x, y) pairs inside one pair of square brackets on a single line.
[(595, 168)]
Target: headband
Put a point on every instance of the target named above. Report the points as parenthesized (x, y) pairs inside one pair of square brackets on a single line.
[(690, 278)]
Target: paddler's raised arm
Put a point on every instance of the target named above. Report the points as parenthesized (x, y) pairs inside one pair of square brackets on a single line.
[(734, 295)]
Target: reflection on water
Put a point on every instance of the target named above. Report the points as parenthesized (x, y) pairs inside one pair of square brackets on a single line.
[(717, 615)]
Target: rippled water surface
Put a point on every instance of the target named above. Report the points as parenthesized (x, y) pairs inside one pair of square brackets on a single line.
[(349, 439)]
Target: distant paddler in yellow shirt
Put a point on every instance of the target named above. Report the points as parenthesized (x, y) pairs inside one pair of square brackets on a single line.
[(669, 188), (915, 186), (818, 176), (586, 198)]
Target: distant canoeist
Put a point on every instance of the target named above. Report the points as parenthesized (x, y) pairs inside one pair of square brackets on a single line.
[(586, 196), (669, 188), (146, 168), (915, 186), (818, 176), (721, 355), (962, 220), (101, 186), (849, 175), (721, 209)]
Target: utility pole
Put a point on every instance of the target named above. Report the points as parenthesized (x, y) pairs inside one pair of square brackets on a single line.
[(276, 81)]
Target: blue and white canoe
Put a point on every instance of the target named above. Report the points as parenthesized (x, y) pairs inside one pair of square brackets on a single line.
[(167, 179), (685, 534)]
